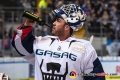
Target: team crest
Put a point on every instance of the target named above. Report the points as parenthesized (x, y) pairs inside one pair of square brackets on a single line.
[(77, 47)]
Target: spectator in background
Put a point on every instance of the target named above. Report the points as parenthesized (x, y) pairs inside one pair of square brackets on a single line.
[(51, 19), (4, 41), (50, 4), (94, 25), (43, 7), (33, 5), (105, 17), (87, 7), (113, 15), (1, 33), (113, 11), (104, 20), (110, 32), (112, 45), (27, 5), (20, 10), (58, 3), (90, 24), (44, 31), (10, 33)]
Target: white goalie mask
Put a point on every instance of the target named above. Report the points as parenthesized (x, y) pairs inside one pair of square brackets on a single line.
[(73, 15)]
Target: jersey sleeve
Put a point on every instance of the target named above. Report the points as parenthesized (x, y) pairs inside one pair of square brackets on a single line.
[(92, 65), (23, 43)]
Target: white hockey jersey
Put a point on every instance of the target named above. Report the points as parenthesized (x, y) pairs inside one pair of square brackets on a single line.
[(58, 60)]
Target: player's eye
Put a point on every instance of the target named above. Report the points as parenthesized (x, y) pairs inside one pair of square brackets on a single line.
[(58, 20)]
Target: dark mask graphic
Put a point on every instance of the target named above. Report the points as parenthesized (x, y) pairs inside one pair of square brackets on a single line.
[(53, 67)]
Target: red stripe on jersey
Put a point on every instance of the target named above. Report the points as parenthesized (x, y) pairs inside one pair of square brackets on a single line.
[(25, 32), (16, 31)]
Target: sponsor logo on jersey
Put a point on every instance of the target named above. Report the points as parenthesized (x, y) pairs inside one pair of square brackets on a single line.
[(73, 74), (49, 53)]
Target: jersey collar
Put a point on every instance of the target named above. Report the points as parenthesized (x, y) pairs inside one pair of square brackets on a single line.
[(67, 40)]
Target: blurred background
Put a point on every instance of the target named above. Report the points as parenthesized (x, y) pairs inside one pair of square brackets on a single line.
[(103, 22)]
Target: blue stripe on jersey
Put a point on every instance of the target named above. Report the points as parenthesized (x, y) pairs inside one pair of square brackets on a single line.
[(53, 39), (96, 69), (27, 42), (71, 42)]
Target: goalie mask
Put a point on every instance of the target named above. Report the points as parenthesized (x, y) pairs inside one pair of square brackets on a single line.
[(73, 15), (3, 76)]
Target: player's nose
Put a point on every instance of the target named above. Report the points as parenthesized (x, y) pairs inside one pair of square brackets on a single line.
[(54, 23)]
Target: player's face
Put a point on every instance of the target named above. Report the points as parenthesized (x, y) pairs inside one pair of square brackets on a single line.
[(58, 27)]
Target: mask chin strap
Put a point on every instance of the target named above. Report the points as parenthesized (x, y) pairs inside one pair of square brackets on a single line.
[(71, 31)]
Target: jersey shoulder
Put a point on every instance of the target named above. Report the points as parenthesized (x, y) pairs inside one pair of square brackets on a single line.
[(87, 44), (83, 41), (45, 38), (49, 37)]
